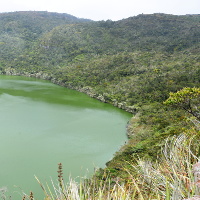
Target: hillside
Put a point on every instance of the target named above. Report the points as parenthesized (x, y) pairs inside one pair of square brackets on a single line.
[(133, 63), (19, 30), (66, 37)]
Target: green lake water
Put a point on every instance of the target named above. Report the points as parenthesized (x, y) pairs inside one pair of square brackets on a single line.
[(43, 124)]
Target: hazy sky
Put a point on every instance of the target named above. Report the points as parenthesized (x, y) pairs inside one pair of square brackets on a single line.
[(104, 9)]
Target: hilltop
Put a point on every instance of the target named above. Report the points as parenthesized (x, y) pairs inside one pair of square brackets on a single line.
[(66, 36)]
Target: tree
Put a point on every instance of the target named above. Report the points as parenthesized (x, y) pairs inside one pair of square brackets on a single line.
[(187, 99)]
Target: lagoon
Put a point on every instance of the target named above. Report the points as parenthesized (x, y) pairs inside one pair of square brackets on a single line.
[(43, 124)]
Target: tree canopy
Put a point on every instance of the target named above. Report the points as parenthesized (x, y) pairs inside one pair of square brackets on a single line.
[(187, 99)]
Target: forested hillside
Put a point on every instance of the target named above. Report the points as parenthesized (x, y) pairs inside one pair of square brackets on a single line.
[(20, 30), (133, 63)]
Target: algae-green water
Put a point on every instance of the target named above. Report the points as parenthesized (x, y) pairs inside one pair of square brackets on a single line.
[(43, 124)]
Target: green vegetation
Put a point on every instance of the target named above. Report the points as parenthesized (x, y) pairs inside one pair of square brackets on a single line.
[(187, 99), (135, 64)]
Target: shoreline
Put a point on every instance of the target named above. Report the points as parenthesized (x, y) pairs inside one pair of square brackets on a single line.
[(87, 89)]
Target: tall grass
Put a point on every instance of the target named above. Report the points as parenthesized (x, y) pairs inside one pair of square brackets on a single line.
[(172, 177)]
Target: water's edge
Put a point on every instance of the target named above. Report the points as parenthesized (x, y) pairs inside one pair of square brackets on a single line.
[(87, 90)]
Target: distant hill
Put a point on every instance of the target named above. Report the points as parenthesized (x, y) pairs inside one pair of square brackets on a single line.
[(19, 30), (158, 32), (62, 37), (35, 21)]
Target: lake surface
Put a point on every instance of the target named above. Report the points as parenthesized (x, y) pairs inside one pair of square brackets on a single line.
[(43, 124)]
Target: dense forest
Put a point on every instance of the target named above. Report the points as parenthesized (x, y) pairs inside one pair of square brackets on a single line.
[(134, 64)]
